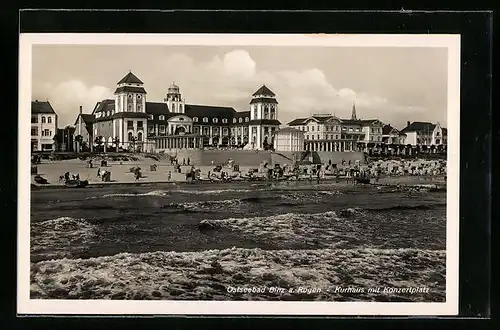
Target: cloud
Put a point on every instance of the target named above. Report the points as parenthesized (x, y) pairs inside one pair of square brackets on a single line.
[(229, 79), (66, 97)]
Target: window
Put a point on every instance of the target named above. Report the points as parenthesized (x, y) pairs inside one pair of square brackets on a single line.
[(312, 128), (234, 120), (49, 119), (162, 128), (180, 107), (215, 120), (181, 119), (139, 124), (224, 120), (129, 136), (34, 120), (43, 120), (130, 107), (151, 129), (139, 96), (129, 95), (34, 131), (205, 119), (196, 130), (240, 120), (46, 132), (224, 131), (255, 112), (139, 137), (130, 124), (139, 108), (247, 119), (173, 107), (195, 118), (162, 117), (437, 133), (151, 117)]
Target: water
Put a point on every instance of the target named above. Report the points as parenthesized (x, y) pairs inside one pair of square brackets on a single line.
[(161, 241)]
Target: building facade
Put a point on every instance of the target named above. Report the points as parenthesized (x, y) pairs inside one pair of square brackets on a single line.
[(130, 121), (390, 135), (289, 139), (425, 134), (43, 126), (327, 132)]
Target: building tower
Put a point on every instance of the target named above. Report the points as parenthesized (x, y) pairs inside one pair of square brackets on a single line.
[(353, 114), (263, 118), (129, 115), (174, 99)]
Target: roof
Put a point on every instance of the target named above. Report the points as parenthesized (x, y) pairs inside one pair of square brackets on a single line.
[(159, 108), (194, 110), (263, 100), (298, 121), (104, 105), (130, 89), (264, 91), (264, 122), (130, 78), (387, 129), (289, 130), (242, 114), (445, 131), (419, 126), (41, 107), (86, 118)]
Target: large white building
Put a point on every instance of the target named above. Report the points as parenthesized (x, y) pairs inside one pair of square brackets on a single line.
[(131, 121), (43, 126), (327, 132), (425, 133), (289, 139)]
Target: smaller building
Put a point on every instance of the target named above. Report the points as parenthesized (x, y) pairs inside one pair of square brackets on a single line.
[(390, 135), (289, 139), (43, 126), (425, 134)]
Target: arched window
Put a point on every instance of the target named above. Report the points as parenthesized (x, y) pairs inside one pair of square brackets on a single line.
[(180, 107), (266, 112), (247, 119), (240, 120), (205, 119), (49, 119), (173, 107), (162, 117), (129, 136), (273, 112), (215, 120), (43, 119), (139, 136), (130, 107), (139, 108), (224, 120), (195, 118), (234, 120)]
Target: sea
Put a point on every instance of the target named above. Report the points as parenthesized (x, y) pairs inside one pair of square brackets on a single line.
[(291, 241)]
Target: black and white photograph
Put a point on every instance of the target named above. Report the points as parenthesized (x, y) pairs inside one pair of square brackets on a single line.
[(176, 173)]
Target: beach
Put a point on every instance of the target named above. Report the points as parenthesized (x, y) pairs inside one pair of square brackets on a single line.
[(195, 241)]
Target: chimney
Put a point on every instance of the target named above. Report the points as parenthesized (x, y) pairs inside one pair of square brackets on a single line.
[(81, 110), (407, 123)]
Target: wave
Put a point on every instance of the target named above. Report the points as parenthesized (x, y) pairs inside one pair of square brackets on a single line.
[(408, 207), (61, 235), (208, 274), (159, 193)]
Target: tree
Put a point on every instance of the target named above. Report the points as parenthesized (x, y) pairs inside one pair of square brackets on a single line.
[(116, 142), (133, 139), (99, 140), (78, 140)]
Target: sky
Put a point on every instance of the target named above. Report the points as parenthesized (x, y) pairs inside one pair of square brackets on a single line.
[(394, 85)]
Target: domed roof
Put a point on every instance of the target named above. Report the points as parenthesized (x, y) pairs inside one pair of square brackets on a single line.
[(173, 86)]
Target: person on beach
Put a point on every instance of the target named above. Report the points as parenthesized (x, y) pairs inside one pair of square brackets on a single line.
[(189, 161), (169, 176), (99, 172), (183, 161)]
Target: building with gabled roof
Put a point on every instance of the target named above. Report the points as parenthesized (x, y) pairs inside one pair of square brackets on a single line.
[(43, 126), (327, 132), (129, 120), (425, 133)]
